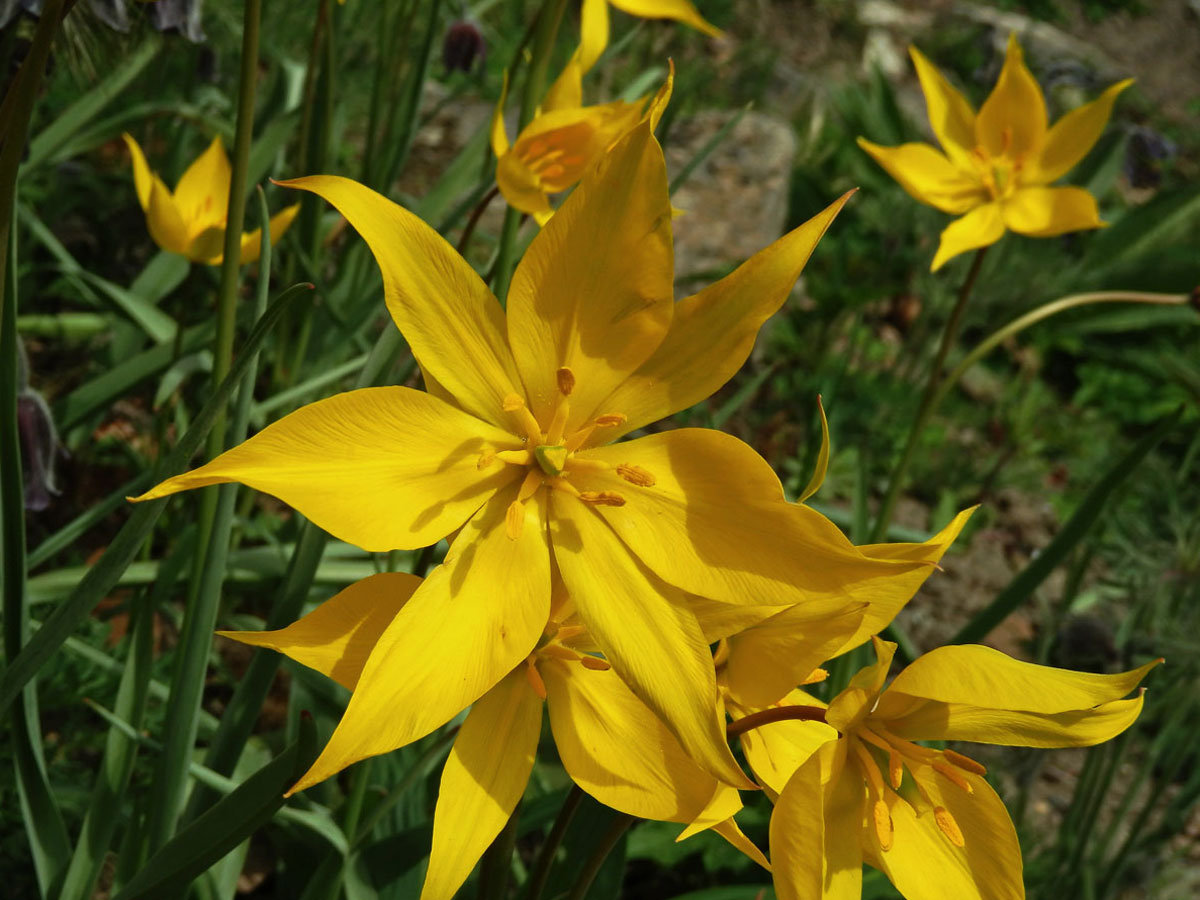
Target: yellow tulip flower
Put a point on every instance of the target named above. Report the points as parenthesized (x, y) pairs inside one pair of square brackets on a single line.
[(853, 786), (609, 742), (191, 219), (511, 450), (998, 164), (594, 22)]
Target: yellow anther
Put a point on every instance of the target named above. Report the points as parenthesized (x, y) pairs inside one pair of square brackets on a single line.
[(608, 420), (882, 818), (816, 676), (512, 402), (514, 457), (947, 825), (559, 652), (602, 498), (514, 518), (635, 475), (566, 381), (486, 458), (595, 663), (895, 769), (964, 762), (535, 679), (952, 775)]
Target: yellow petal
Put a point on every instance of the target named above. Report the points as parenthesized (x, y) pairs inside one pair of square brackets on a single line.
[(679, 10), (815, 846), (852, 706), (164, 221), (767, 661), (142, 178), (203, 192), (484, 778), (715, 523), (499, 134), (567, 90), (822, 466), (646, 632), (520, 187), (383, 468), (950, 115), (722, 806), (208, 246), (980, 227), (594, 290), (924, 865), (593, 32), (928, 176), (711, 333), (454, 640), (450, 319), (1048, 211), (1012, 121), (730, 831), (617, 750), (777, 750), (338, 636), (252, 241), (1071, 137)]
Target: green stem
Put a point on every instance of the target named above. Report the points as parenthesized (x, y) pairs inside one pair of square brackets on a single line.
[(545, 857), (928, 402), (604, 846), (496, 865)]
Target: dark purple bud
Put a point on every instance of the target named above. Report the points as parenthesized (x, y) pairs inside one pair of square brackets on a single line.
[(39, 446), (462, 46), (1145, 154)]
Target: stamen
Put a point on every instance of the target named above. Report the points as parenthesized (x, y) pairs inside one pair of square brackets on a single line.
[(515, 404), (602, 498), (595, 663), (608, 420), (816, 676), (558, 425), (869, 768), (895, 769), (559, 652), (529, 487), (964, 762), (884, 830), (566, 381), (575, 464), (486, 458), (951, 774), (514, 457), (947, 825), (514, 518), (636, 475), (566, 632), (561, 484), (535, 678), (579, 438)]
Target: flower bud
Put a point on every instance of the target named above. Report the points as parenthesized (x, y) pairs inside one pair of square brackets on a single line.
[(462, 46)]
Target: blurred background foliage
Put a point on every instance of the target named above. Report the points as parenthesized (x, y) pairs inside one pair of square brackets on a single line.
[(117, 337)]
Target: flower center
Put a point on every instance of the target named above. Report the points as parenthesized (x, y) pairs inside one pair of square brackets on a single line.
[(551, 645), (550, 458), (998, 174), (924, 765)]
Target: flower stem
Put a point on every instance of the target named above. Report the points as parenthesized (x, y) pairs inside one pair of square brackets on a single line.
[(929, 400), (775, 714), (497, 861), (545, 858), (604, 847), (476, 214)]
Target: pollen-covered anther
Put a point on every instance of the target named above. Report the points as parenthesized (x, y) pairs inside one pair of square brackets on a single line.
[(514, 518), (964, 762), (952, 775), (515, 404), (636, 475), (895, 769), (566, 381), (486, 458), (602, 498), (594, 663), (816, 676), (535, 678), (882, 820), (512, 402), (609, 420), (948, 826)]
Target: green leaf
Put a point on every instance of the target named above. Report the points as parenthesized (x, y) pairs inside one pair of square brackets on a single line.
[(226, 824), (1021, 588)]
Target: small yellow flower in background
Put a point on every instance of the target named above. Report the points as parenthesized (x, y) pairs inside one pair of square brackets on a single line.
[(191, 219), (511, 450), (997, 165), (855, 788), (594, 22)]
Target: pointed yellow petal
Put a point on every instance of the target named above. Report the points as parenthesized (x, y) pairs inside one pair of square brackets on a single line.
[(593, 32), (777, 750), (711, 333), (722, 806), (252, 241), (567, 90), (383, 468), (923, 864), (679, 10), (1012, 121), (852, 706), (715, 523), (1048, 211), (338, 636), (455, 639), (594, 290), (203, 192), (730, 831), (483, 779), (767, 661), (521, 187), (450, 319), (980, 227), (815, 846), (950, 115), (142, 177), (928, 176), (499, 134), (617, 750), (1071, 137), (822, 466), (646, 631), (208, 246), (164, 221)]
